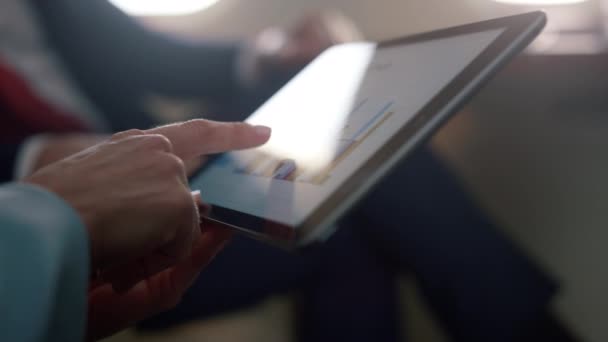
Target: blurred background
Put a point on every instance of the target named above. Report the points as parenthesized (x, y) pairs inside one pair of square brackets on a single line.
[(532, 146)]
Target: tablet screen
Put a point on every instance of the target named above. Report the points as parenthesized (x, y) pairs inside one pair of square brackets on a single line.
[(330, 119)]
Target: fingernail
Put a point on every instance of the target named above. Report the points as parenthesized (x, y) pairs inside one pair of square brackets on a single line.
[(262, 131)]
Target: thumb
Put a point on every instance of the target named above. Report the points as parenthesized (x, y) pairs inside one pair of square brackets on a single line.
[(199, 137)]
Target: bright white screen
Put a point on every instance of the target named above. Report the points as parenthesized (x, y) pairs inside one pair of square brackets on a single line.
[(330, 120)]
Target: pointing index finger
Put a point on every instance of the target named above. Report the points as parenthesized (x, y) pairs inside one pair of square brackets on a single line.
[(199, 137)]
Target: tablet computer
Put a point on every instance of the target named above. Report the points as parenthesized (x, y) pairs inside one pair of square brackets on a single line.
[(346, 119)]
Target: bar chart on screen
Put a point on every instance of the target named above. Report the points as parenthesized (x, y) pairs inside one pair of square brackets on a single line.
[(366, 117)]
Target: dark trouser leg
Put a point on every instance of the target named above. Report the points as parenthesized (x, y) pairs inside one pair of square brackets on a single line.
[(341, 283), (354, 298), (479, 284), (244, 274)]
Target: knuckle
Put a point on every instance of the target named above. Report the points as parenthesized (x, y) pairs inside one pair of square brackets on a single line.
[(127, 134), (159, 142), (174, 164)]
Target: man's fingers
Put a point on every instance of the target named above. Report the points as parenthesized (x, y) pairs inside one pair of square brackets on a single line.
[(110, 312), (182, 273), (124, 277), (199, 137), (213, 240)]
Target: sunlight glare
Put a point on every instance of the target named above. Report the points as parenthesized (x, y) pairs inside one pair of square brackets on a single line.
[(309, 131), (162, 7)]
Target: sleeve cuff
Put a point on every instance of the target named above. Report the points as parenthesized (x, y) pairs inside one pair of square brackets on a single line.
[(44, 264), (27, 155)]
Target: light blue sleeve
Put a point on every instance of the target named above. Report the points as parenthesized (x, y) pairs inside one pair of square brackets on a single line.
[(44, 266)]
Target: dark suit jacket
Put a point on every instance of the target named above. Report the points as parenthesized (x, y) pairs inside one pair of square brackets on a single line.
[(117, 62)]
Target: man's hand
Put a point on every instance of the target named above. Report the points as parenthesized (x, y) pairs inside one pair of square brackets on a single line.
[(56, 147), (143, 222), (110, 312), (132, 191)]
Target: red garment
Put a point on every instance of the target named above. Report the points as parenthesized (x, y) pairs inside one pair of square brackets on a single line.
[(23, 113)]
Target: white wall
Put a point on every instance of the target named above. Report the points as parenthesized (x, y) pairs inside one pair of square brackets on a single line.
[(378, 19)]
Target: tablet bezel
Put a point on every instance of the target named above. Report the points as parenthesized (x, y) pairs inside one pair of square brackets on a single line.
[(519, 31)]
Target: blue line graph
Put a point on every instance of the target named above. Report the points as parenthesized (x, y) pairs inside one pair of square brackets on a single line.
[(373, 120)]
